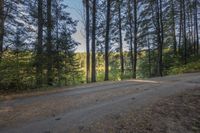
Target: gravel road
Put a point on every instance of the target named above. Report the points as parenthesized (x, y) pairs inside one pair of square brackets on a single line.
[(71, 109)]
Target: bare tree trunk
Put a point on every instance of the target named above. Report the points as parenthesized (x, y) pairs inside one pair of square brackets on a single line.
[(162, 40), (135, 37), (181, 27), (49, 44), (2, 17), (58, 61), (196, 27), (189, 34), (131, 37), (93, 42), (87, 41), (184, 33), (39, 45), (159, 36), (149, 56), (120, 39), (174, 27), (107, 41), (192, 32)]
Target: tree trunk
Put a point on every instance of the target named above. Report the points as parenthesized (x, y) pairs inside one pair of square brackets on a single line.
[(159, 36), (135, 37), (131, 38), (149, 56), (120, 39), (49, 44), (107, 41), (196, 27), (184, 33), (174, 27), (189, 34), (58, 61), (162, 40), (93, 42), (1, 27), (181, 27), (87, 41), (39, 45), (192, 32)]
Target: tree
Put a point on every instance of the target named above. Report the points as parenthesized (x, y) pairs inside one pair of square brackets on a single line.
[(87, 40), (119, 3), (184, 33), (196, 25), (130, 34), (93, 42), (36, 34), (49, 44), (180, 26), (39, 44), (135, 37), (58, 58), (107, 41), (160, 38), (173, 27), (2, 17)]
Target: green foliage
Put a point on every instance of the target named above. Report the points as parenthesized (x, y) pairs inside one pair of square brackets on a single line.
[(16, 71), (193, 66), (146, 64)]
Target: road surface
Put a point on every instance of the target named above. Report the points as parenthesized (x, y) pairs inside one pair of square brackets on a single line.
[(71, 109)]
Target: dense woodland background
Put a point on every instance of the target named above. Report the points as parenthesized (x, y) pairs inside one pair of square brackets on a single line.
[(124, 39)]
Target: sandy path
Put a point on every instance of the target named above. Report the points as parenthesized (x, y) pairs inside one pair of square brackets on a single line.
[(79, 106)]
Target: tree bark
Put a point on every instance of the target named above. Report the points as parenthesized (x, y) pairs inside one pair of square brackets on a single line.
[(181, 27), (189, 34), (120, 39), (87, 41), (131, 37), (58, 61), (184, 33), (196, 26), (192, 31), (49, 44), (93, 42), (135, 37), (39, 45), (174, 27), (162, 40), (159, 36), (107, 41), (2, 17), (149, 56)]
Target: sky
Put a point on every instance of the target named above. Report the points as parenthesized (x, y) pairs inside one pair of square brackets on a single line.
[(75, 8)]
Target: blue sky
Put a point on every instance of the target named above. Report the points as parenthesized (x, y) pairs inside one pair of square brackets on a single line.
[(76, 9)]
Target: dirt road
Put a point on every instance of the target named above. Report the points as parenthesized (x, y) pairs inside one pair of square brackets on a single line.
[(72, 109)]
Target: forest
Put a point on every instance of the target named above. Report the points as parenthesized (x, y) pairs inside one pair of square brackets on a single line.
[(125, 39)]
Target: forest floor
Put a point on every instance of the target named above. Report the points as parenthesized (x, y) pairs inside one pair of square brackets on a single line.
[(174, 114), (159, 105)]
